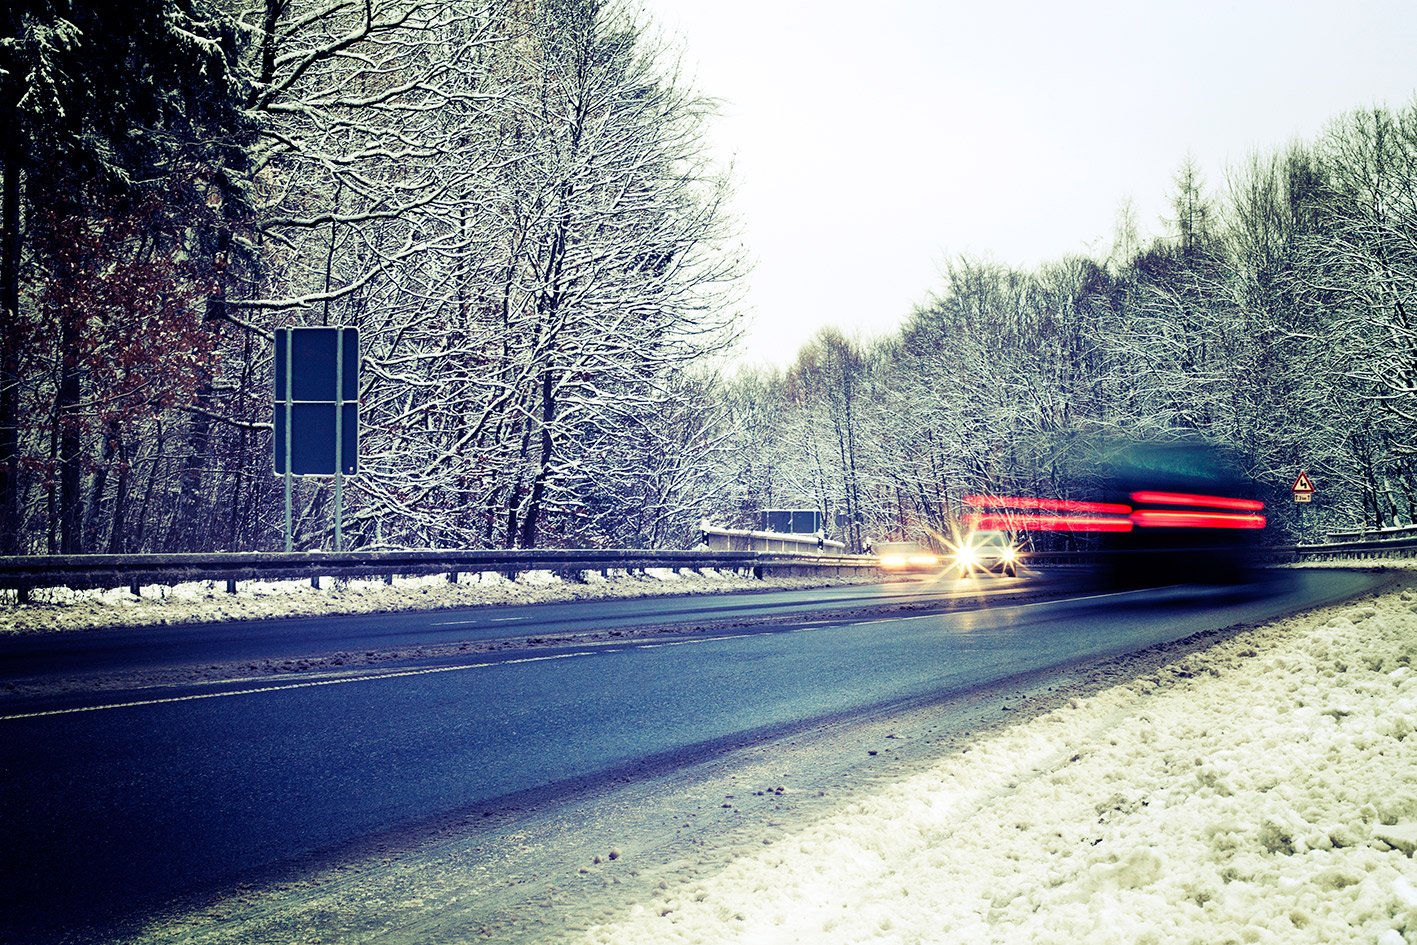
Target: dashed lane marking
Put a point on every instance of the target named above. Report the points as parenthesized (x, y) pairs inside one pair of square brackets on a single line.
[(308, 684), (431, 670), (1002, 606), (365, 677), (655, 646)]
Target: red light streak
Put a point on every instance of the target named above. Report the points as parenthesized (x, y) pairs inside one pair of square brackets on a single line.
[(1049, 523), (1047, 505), (1161, 519), (1208, 501), (1111, 516)]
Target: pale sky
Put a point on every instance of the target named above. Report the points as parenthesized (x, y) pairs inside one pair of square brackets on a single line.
[(873, 141)]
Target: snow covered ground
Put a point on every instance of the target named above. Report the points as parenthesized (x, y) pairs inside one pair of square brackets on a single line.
[(1263, 790), (202, 601)]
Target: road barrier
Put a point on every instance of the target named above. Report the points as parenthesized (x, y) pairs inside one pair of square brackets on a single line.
[(28, 572), (25, 573), (1396, 547), (737, 539)]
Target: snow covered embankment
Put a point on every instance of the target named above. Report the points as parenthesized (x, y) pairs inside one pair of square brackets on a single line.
[(1264, 790), (206, 601)]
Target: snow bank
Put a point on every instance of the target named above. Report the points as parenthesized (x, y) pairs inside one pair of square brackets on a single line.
[(203, 601), (1264, 790)]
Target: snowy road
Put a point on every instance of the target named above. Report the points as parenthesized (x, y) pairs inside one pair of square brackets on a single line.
[(122, 806), (144, 648)]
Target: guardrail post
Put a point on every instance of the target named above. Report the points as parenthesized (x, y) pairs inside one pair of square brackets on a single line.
[(389, 580), (137, 591), (231, 585), (453, 577), (315, 582), (22, 595)]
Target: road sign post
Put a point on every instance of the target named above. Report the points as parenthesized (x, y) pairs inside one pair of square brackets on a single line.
[(284, 442), (339, 438), (317, 412)]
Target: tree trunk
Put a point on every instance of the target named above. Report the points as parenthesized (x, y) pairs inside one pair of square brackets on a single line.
[(71, 473), (538, 486), (10, 539), (93, 516), (182, 536), (141, 532), (116, 538)]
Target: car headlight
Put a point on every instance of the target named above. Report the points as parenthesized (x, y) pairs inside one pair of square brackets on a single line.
[(924, 560), (1010, 554), (892, 561), (966, 557)]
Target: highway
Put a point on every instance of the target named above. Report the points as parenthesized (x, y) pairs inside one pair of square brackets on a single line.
[(116, 802), (154, 648)]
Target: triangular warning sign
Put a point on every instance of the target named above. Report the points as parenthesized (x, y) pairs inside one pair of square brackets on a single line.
[(1303, 485)]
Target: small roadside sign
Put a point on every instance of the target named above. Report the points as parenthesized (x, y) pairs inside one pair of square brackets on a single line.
[(1303, 487)]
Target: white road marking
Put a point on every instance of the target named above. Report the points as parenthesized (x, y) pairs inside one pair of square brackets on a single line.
[(1001, 605), (1073, 600), (655, 646), (308, 684), (473, 623), (430, 670)]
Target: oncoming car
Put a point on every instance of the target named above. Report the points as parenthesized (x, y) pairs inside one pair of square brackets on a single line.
[(906, 556), (990, 551)]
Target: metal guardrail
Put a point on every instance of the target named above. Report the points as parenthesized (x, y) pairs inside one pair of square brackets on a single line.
[(737, 539), (1275, 554), (26, 573), (1368, 534), (1404, 547)]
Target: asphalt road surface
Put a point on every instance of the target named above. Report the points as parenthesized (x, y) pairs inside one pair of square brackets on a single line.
[(115, 804)]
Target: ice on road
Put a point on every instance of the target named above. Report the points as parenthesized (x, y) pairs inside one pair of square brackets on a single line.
[(1264, 790)]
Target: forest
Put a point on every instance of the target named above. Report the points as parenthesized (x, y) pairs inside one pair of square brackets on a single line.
[(513, 202), (1275, 319), (508, 199)]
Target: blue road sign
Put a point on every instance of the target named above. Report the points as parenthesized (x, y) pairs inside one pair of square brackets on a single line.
[(307, 364)]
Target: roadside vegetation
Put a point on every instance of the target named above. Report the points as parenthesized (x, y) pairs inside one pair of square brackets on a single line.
[(1275, 317), (513, 204), (509, 200)]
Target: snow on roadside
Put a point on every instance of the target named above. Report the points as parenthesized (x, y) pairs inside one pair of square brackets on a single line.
[(63, 608), (1264, 790)]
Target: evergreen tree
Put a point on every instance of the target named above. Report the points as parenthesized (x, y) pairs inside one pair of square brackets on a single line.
[(125, 143)]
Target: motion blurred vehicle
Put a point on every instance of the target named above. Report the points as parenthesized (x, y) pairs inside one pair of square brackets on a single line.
[(1196, 515), (1159, 512), (994, 552), (906, 556)]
